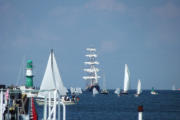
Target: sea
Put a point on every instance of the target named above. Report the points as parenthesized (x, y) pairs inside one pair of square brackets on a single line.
[(164, 106)]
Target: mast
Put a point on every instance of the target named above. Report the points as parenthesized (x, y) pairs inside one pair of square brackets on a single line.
[(92, 71)]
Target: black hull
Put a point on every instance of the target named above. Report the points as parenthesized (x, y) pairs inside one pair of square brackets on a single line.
[(124, 93), (91, 88)]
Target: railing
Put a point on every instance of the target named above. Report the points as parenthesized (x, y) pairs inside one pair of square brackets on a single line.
[(52, 108), (3, 103), (50, 113)]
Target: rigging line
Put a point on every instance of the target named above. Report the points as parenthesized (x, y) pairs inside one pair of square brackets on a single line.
[(20, 71)]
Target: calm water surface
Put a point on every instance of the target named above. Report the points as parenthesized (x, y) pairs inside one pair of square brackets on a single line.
[(164, 106)]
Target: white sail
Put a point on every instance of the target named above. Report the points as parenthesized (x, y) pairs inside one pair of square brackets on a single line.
[(52, 79), (91, 49), (91, 55), (95, 91), (117, 91), (126, 78), (92, 63), (91, 77), (139, 87), (91, 70)]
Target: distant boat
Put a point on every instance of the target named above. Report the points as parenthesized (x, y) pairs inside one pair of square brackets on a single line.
[(173, 87), (117, 91), (153, 91), (104, 90), (126, 80), (138, 88), (75, 91), (52, 81), (95, 91)]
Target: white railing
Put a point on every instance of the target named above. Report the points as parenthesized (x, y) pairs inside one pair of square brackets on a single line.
[(3, 103), (50, 109)]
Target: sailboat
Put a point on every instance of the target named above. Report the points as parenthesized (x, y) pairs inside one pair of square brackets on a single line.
[(117, 91), (126, 80), (52, 81), (153, 92), (104, 90), (138, 88)]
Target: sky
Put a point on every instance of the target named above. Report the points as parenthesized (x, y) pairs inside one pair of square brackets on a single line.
[(145, 34)]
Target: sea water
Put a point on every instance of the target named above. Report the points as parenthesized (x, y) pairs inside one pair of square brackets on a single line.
[(164, 106)]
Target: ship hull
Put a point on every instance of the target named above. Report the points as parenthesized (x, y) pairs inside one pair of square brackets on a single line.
[(90, 88)]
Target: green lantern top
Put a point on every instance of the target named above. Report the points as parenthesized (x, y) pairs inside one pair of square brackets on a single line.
[(29, 64)]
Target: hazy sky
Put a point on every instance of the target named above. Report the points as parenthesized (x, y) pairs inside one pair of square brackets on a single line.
[(145, 34)]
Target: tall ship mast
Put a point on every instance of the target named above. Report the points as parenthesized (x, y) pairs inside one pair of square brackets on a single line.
[(91, 70)]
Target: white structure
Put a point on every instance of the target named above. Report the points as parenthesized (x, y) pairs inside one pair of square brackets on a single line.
[(92, 70), (2, 104), (52, 78), (50, 110)]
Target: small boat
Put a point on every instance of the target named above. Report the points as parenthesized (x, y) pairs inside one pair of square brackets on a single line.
[(126, 80), (138, 88), (75, 91), (104, 90), (52, 81), (117, 91), (153, 91)]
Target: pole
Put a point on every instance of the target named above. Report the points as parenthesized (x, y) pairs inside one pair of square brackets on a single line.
[(140, 112)]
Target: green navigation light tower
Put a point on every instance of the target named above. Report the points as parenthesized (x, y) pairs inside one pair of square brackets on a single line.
[(29, 75)]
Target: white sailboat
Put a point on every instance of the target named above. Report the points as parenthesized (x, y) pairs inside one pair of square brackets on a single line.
[(126, 80), (117, 91), (51, 81), (138, 88)]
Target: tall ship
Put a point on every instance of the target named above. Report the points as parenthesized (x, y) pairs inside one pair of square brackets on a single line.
[(92, 71)]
